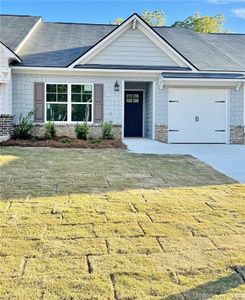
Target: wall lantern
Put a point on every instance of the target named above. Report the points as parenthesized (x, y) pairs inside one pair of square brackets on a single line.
[(116, 87)]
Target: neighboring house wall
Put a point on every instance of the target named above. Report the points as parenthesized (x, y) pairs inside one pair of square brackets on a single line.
[(132, 48), (5, 87), (5, 93)]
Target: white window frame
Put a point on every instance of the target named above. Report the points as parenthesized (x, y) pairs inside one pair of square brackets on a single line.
[(69, 103)]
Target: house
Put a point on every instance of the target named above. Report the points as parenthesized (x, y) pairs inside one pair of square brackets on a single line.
[(168, 84)]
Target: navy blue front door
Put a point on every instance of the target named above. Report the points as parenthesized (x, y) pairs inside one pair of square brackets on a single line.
[(133, 114)]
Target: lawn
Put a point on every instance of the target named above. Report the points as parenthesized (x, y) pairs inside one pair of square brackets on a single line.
[(48, 171), (157, 227)]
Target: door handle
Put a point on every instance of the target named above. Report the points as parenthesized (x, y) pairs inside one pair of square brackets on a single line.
[(196, 119)]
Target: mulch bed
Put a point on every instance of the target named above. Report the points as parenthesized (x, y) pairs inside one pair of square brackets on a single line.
[(65, 142)]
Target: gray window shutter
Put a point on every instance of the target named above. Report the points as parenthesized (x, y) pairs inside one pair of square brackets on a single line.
[(39, 99), (98, 102)]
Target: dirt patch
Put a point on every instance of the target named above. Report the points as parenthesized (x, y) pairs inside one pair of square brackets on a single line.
[(66, 142)]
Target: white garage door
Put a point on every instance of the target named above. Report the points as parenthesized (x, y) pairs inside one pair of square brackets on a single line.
[(197, 115)]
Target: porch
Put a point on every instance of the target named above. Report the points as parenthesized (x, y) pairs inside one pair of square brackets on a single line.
[(138, 109)]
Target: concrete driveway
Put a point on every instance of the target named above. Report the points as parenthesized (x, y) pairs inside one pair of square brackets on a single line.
[(227, 159)]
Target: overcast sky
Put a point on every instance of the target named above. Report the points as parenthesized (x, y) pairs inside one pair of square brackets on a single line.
[(106, 11)]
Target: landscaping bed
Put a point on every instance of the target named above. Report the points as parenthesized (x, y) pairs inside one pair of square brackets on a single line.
[(65, 142)]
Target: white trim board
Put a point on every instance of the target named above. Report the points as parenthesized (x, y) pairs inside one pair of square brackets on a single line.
[(22, 43)]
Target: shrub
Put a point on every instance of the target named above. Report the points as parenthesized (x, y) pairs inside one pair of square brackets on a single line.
[(96, 141), (107, 131), (65, 140), (82, 131), (22, 130), (50, 131)]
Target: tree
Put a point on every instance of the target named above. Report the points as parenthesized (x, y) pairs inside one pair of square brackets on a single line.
[(118, 21), (203, 24), (153, 18)]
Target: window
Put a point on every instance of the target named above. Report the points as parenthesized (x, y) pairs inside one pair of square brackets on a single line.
[(133, 98), (56, 99), (81, 98), (69, 102)]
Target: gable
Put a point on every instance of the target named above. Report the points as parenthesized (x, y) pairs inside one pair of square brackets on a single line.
[(6, 56), (133, 48)]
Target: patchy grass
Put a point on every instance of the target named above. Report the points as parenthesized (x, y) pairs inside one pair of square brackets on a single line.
[(5, 159), (177, 243), (46, 171)]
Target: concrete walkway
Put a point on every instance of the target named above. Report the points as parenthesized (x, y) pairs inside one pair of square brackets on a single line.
[(227, 159)]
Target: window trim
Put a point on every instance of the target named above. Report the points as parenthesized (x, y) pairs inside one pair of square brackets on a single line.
[(69, 103)]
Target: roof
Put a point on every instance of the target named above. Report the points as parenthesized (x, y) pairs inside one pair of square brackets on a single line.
[(14, 55), (202, 75), (59, 44), (204, 55), (131, 67), (13, 29)]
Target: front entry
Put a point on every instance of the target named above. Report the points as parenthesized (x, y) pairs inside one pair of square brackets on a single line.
[(133, 114)]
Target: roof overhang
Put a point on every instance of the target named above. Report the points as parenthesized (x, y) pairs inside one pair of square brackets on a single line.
[(195, 79)]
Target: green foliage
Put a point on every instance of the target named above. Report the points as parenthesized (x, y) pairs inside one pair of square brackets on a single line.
[(82, 131), (153, 18), (50, 131), (118, 21), (203, 24), (65, 140), (96, 141), (107, 131), (22, 130)]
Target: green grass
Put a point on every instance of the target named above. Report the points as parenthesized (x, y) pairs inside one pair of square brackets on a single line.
[(46, 171)]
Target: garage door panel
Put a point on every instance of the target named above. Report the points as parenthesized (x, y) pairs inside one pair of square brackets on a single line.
[(197, 115)]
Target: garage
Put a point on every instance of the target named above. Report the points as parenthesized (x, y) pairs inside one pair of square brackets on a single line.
[(197, 115)]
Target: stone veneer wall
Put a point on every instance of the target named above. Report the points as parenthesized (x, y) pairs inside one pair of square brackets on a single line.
[(237, 135), (161, 133), (69, 130), (6, 124)]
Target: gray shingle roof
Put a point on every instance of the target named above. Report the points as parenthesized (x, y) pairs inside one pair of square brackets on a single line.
[(59, 44), (13, 29), (231, 45), (204, 55)]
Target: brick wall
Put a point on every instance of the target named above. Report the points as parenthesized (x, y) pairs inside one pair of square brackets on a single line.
[(69, 130), (6, 124)]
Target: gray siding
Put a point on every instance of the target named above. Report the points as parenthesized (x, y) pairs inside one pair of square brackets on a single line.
[(237, 107), (149, 110), (133, 48), (23, 96)]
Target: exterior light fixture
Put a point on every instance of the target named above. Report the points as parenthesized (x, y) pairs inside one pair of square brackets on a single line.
[(116, 87)]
